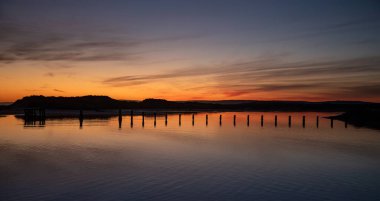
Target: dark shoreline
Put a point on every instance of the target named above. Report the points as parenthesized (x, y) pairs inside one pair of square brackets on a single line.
[(107, 103), (360, 118), (359, 114)]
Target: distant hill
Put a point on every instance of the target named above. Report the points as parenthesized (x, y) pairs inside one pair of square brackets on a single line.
[(105, 102)]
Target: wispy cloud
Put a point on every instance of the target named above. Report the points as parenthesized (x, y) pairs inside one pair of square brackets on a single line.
[(357, 76), (24, 43), (57, 90), (49, 74)]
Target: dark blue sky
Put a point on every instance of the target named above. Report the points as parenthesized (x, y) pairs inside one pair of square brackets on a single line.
[(320, 49)]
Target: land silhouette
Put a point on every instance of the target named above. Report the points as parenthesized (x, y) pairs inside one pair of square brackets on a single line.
[(105, 102), (357, 113)]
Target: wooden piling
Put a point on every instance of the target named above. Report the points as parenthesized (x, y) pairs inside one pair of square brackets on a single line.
[(131, 118), (275, 120), (206, 119), (80, 118), (34, 114), (234, 120), (303, 121), (192, 120), (290, 121), (317, 121), (220, 120), (332, 123), (166, 119), (143, 119), (247, 120), (120, 115), (155, 118), (120, 118), (262, 120), (179, 119)]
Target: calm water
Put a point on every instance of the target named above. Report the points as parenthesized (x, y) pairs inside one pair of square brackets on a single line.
[(100, 161)]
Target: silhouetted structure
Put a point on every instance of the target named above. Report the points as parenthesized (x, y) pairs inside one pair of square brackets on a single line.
[(155, 119), (143, 119), (275, 120), (317, 121), (303, 121)]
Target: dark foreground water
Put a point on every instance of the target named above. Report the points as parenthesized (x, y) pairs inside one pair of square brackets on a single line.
[(100, 161)]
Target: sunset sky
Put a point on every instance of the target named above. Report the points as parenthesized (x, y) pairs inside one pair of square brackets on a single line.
[(191, 49)]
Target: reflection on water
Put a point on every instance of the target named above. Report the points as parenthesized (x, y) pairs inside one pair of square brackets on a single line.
[(237, 158)]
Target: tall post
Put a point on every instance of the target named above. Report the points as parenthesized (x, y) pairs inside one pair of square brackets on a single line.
[(275, 120), (206, 119), (220, 120), (332, 123), (131, 118), (34, 114), (290, 121), (80, 118), (303, 121), (192, 120), (166, 119), (247, 120), (262, 120), (234, 120), (317, 121), (120, 118), (179, 119), (155, 118), (143, 119)]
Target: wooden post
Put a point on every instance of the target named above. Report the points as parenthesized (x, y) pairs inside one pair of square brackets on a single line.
[(120, 115), (234, 120), (80, 118), (332, 123), (262, 120), (303, 121), (193, 120), (317, 121), (120, 118), (206, 119), (143, 119), (155, 117), (290, 121), (247, 120), (275, 120), (166, 119), (131, 118), (220, 120), (179, 119)]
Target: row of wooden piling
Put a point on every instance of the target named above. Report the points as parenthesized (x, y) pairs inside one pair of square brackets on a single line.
[(34, 114), (220, 120)]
